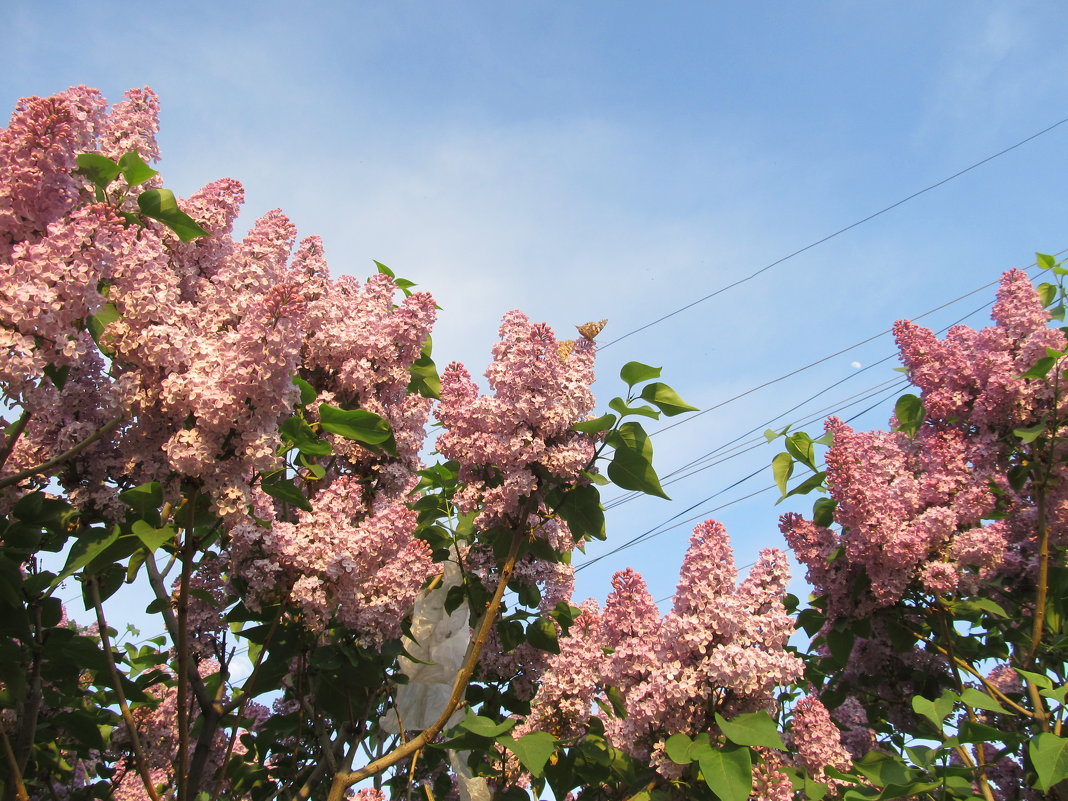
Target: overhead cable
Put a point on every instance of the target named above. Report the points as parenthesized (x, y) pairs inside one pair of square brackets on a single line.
[(840, 231)]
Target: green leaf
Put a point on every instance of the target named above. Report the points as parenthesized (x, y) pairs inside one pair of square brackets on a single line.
[(728, 772), (1057, 695), (987, 605), (87, 547), (100, 170), (153, 538), (823, 511), (1047, 293), (619, 405), (286, 491), (1040, 369), (134, 170), (297, 431), (582, 511), (636, 372), (425, 380), (935, 711), (99, 321), (307, 391), (145, 501), (972, 732), (1037, 679), (751, 728), (909, 790), (771, 434), (160, 204), (631, 467), (799, 445), (782, 467), (814, 481), (1045, 261), (485, 727), (533, 749), (677, 747), (666, 399), (358, 425), (883, 769), (1049, 755), (384, 269), (980, 700), (910, 413), (597, 425), (541, 633)]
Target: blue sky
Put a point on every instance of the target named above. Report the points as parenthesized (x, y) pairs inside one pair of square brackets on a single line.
[(617, 159)]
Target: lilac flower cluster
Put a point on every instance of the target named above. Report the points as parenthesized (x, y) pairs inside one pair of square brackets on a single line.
[(196, 346), (721, 649), (919, 509)]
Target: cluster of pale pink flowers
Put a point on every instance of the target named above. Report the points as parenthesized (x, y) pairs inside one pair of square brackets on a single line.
[(721, 649), (921, 508), (351, 560), (201, 341), (510, 442)]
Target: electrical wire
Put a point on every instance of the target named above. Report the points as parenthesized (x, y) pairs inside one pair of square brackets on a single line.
[(840, 231), (664, 527)]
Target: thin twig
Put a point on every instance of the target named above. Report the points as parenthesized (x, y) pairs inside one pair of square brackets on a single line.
[(20, 788), (124, 707), (16, 432), (70, 453), (155, 580)]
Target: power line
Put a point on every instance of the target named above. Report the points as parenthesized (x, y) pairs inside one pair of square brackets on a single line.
[(726, 452), (840, 231), (659, 529), (827, 358)]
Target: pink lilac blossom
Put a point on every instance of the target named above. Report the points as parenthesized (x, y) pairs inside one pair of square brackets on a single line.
[(569, 681), (770, 783), (37, 159), (916, 511), (817, 740), (722, 648), (339, 561), (503, 440)]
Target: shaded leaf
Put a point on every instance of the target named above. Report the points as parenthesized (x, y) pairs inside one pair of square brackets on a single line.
[(533, 749), (541, 633), (728, 772), (285, 490)]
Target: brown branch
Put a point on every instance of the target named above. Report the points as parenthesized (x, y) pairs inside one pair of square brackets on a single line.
[(990, 688), (345, 779), (20, 788), (16, 432), (1038, 626), (188, 551), (70, 453), (124, 707), (155, 580)]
